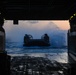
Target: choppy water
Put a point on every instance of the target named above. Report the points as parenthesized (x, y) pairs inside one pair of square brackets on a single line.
[(17, 49)]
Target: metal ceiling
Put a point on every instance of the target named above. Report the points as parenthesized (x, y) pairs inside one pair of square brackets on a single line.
[(37, 9)]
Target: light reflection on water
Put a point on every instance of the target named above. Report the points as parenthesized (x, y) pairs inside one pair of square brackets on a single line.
[(59, 55)]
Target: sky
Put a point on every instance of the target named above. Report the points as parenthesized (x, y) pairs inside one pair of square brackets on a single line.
[(35, 27), (62, 24)]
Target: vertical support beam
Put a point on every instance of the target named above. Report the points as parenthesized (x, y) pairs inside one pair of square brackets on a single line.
[(4, 58), (72, 44), (72, 51)]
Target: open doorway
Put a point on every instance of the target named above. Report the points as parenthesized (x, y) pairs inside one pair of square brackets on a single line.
[(56, 52), (56, 30)]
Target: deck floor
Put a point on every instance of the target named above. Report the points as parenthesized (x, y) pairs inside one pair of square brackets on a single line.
[(27, 65)]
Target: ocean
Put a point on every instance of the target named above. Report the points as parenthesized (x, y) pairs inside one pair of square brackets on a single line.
[(52, 53)]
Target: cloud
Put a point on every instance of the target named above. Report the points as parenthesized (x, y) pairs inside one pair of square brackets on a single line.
[(33, 21)]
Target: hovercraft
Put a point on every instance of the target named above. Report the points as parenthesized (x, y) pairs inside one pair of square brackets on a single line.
[(29, 41)]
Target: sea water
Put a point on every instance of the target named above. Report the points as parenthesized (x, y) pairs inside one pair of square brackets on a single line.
[(17, 49)]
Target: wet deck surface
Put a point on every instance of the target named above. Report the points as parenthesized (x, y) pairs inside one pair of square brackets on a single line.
[(30, 65)]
